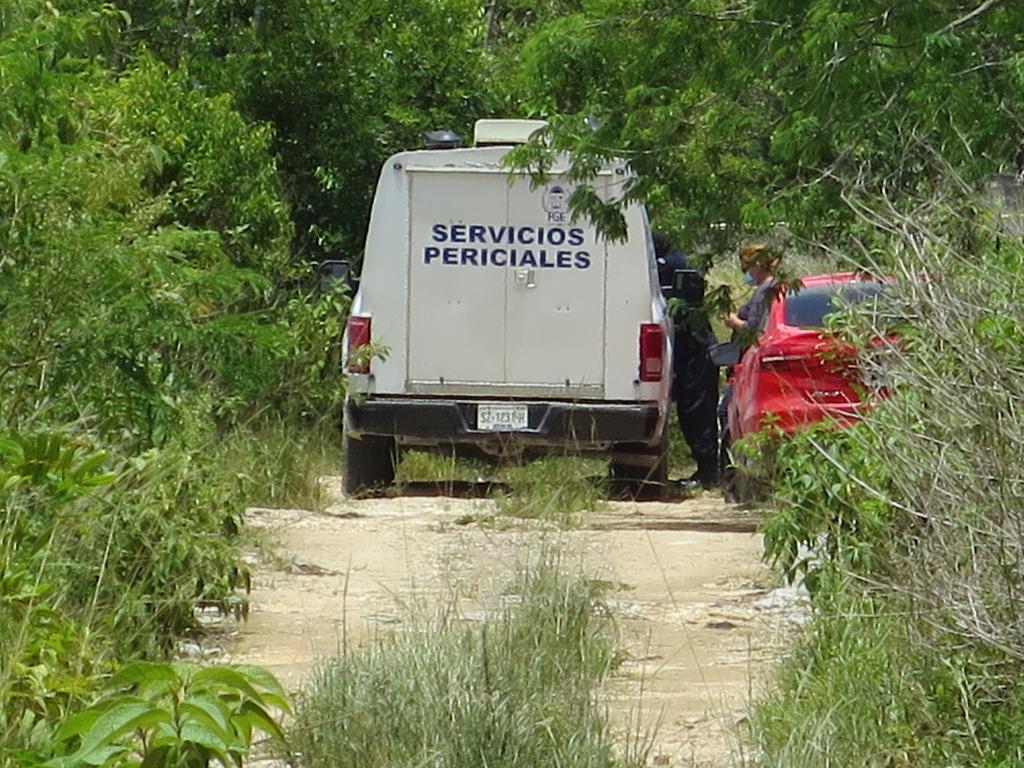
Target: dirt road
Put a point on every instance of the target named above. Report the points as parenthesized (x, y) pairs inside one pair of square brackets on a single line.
[(695, 613)]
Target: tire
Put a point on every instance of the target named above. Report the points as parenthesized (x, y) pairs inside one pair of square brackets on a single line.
[(742, 478), (369, 462), (727, 469), (639, 469)]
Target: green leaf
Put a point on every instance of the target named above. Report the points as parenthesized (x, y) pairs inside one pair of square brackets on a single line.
[(213, 707), (91, 463), (77, 724), (165, 734), (263, 678), (257, 717), (121, 718), (10, 450), (102, 755), (99, 756), (227, 679), (195, 732), (151, 677), (189, 713)]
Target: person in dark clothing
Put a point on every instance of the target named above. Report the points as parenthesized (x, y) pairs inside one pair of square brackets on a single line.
[(694, 376)]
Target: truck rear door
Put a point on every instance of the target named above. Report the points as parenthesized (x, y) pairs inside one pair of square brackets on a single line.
[(506, 295), (556, 301), (456, 308)]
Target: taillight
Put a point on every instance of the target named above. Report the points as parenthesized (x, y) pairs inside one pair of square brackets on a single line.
[(807, 359), (358, 337), (772, 360), (652, 345)]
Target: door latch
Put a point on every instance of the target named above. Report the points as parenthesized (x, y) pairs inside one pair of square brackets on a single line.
[(525, 278)]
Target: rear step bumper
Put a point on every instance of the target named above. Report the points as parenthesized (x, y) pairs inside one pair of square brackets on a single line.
[(579, 425)]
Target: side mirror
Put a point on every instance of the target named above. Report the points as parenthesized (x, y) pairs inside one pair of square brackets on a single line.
[(725, 354), (333, 274), (688, 287)]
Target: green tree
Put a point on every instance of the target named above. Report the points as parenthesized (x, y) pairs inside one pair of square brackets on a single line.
[(774, 111), (346, 87), (343, 85)]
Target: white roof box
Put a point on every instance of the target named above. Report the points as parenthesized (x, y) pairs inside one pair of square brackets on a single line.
[(490, 132)]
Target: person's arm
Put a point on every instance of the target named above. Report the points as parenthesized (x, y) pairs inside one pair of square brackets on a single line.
[(740, 319), (750, 317), (734, 322)]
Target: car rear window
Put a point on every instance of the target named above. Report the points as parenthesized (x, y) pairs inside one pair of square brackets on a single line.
[(808, 307)]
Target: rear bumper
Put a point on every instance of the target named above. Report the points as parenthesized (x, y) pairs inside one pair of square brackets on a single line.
[(799, 416), (576, 425)]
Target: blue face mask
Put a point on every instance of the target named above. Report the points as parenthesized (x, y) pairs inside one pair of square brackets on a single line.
[(748, 278)]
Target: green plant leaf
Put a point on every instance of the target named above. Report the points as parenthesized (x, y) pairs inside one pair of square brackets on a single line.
[(214, 708), (102, 755), (98, 756), (10, 450), (195, 732), (189, 713), (263, 678), (141, 672), (255, 717), (121, 718), (226, 679), (77, 724)]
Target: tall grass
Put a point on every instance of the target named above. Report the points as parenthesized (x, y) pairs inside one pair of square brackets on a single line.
[(553, 488), (517, 689), (850, 696), (422, 467), (281, 465)]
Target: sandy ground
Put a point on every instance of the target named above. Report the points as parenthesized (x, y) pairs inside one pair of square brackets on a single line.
[(698, 621)]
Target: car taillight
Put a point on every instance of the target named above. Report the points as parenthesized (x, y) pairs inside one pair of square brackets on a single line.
[(652, 345), (358, 337), (779, 361), (806, 359)]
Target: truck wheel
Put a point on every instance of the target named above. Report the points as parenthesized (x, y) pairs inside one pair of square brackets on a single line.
[(369, 462), (639, 469)]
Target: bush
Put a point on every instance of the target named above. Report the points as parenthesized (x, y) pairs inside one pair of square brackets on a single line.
[(158, 356), (174, 716), (911, 520)]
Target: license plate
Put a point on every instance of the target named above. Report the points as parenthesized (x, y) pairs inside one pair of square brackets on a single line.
[(502, 418)]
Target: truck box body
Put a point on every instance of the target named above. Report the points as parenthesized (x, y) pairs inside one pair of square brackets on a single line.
[(485, 292)]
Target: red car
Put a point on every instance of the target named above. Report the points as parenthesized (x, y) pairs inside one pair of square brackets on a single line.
[(795, 374)]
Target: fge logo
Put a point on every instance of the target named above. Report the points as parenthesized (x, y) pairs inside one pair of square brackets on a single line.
[(555, 202)]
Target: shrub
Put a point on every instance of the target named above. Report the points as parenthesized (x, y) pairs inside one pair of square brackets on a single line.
[(173, 716), (154, 332), (912, 523)]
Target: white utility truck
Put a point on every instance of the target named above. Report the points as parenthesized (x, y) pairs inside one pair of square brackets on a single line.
[(488, 321)]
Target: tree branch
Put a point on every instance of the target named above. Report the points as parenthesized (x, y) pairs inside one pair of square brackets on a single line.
[(984, 7)]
